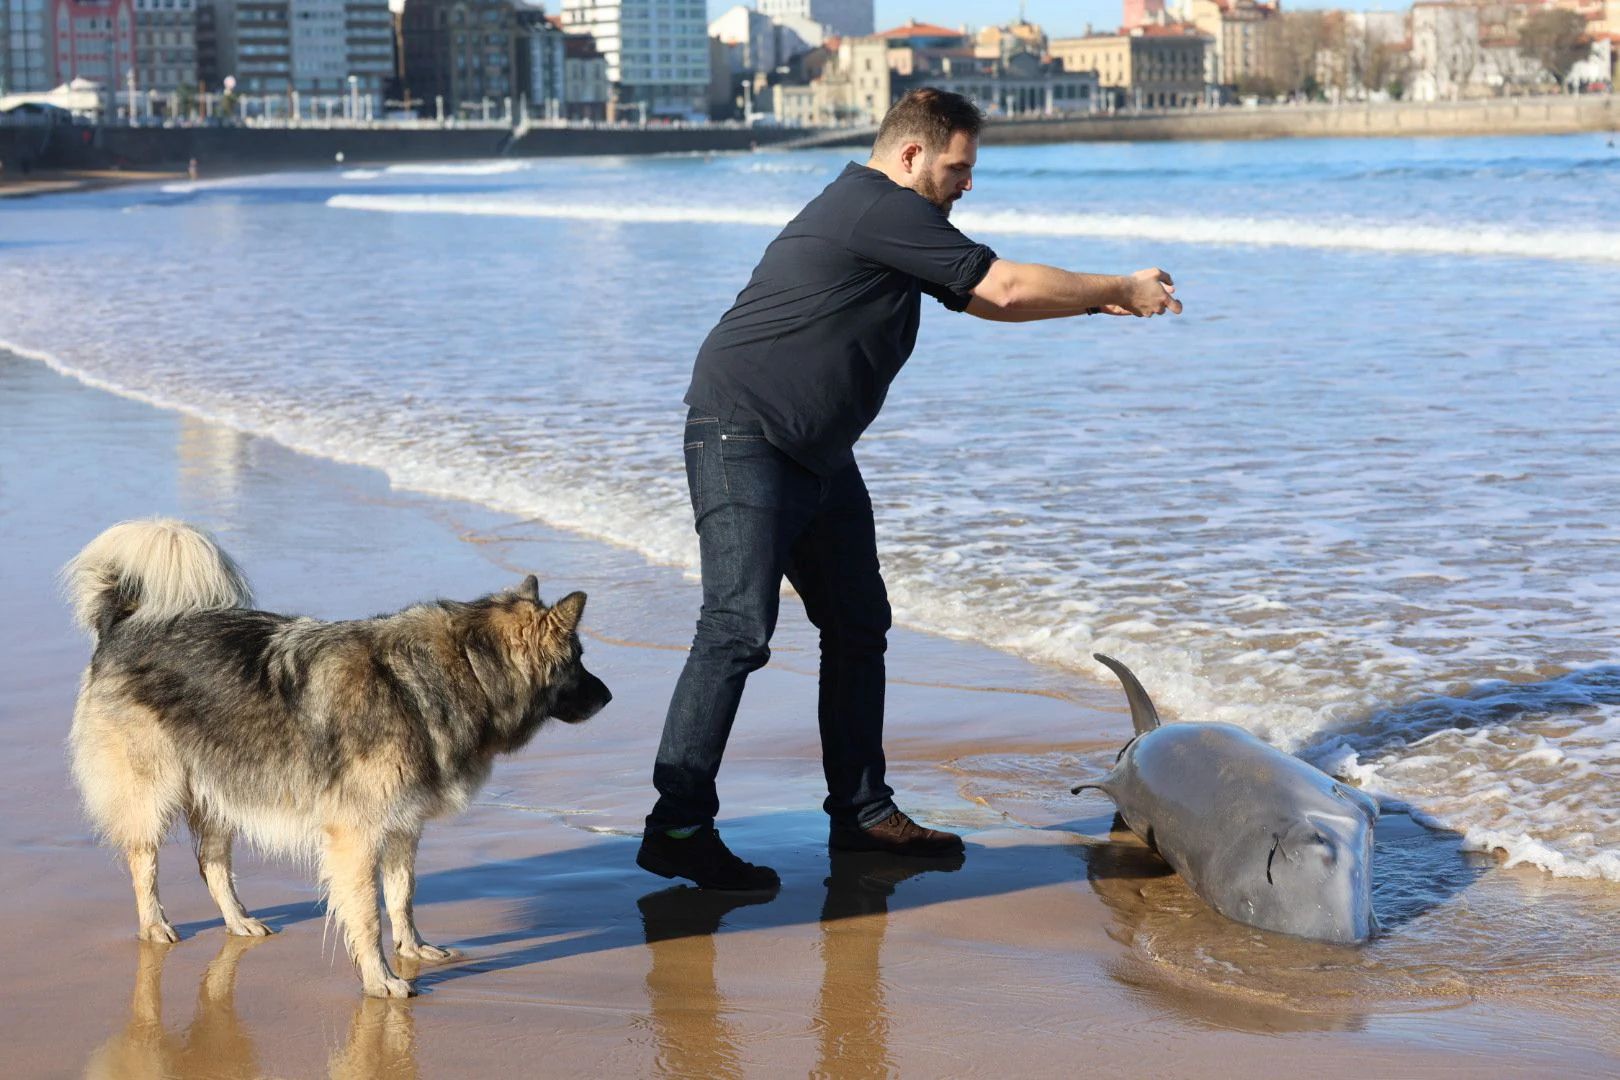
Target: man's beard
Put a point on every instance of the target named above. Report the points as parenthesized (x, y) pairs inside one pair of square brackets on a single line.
[(935, 193)]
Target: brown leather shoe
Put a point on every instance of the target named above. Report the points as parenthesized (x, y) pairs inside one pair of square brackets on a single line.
[(898, 835)]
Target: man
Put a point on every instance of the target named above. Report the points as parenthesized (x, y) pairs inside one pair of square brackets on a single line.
[(782, 389)]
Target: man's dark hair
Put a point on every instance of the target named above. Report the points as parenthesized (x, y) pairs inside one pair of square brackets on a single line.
[(930, 116)]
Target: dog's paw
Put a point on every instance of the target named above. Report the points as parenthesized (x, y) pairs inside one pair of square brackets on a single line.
[(428, 954), (249, 927), (390, 987), (160, 932)]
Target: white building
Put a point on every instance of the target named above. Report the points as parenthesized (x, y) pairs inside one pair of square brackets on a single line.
[(1597, 67), (1350, 70), (756, 42), (1445, 50), (844, 18), (1504, 69), (657, 51)]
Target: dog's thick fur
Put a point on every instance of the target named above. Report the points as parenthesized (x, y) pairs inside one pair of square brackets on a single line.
[(337, 740)]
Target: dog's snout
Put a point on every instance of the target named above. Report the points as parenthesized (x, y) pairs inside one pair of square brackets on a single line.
[(588, 698)]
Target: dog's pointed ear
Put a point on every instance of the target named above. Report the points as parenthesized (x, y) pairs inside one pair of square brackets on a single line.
[(569, 609), (529, 589)]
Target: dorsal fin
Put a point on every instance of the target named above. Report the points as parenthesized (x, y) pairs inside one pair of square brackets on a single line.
[(1144, 717)]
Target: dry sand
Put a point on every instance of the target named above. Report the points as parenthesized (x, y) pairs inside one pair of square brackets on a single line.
[(1049, 951)]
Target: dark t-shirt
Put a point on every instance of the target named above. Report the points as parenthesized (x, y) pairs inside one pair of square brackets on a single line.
[(830, 315)]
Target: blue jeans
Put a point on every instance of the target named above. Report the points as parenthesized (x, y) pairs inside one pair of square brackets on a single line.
[(760, 515)]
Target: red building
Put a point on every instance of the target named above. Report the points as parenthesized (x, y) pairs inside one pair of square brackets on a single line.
[(93, 39)]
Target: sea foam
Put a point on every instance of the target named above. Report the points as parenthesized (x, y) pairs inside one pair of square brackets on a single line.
[(1397, 238)]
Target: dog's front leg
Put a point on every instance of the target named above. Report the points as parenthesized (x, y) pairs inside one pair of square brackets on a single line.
[(399, 889), (349, 869)]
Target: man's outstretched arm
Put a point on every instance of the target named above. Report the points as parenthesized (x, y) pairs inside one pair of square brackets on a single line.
[(1022, 292), (986, 310)]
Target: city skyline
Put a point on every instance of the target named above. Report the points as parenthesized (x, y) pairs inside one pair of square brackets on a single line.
[(1059, 18)]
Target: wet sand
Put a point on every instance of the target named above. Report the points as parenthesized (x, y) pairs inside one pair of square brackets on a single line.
[(56, 181), (1054, 947)]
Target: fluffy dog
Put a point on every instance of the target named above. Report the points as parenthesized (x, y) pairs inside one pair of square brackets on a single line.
[(335, 740)]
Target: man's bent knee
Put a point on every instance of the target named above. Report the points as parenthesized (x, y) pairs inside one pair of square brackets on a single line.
[(744, 642)]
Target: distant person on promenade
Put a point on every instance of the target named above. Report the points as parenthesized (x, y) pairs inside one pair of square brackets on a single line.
[(783, 387)]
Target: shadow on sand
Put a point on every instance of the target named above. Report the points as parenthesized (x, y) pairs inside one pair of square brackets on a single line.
[(599, 874)]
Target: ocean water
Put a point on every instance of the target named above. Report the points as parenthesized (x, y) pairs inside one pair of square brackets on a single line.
[(1359, 498)]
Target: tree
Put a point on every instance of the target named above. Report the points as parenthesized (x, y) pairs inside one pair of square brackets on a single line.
[(1385, 68), (1556, 40), (1295, 56)]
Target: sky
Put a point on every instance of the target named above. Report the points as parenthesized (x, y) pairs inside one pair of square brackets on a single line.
[(1059, 18)]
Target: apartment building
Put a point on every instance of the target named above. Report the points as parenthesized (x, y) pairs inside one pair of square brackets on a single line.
[(165, 44), (657, 51), (461, 53), (1151, 67)]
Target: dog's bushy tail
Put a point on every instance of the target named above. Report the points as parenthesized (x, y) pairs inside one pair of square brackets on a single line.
[(147, 570)]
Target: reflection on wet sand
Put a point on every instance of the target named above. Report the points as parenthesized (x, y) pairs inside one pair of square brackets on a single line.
[(213, 1044), (216, 1044), (212, 459), (688, 1013), (852, 1017), (851, 1022), (381, 1044)]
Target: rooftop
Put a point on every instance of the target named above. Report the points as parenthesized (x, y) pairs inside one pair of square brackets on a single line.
[(919, 29)]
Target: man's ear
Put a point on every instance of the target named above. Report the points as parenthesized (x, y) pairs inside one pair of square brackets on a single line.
[(909, 155)]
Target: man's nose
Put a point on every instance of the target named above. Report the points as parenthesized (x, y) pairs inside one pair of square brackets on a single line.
[(967, 185)]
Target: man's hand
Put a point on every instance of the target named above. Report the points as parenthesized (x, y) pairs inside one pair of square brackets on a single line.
[(1147, 293)]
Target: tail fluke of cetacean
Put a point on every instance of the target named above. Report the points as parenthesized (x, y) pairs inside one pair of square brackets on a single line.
[(1144, 717), (150, 569)]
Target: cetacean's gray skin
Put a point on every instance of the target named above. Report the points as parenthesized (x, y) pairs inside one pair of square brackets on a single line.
[(1260, 835)]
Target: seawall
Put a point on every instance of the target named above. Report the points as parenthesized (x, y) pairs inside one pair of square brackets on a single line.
[(1549, 115), (228, 149)]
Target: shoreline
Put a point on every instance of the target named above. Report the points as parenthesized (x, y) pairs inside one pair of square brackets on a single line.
[(112, 155), (573, 953), (62, 181)]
